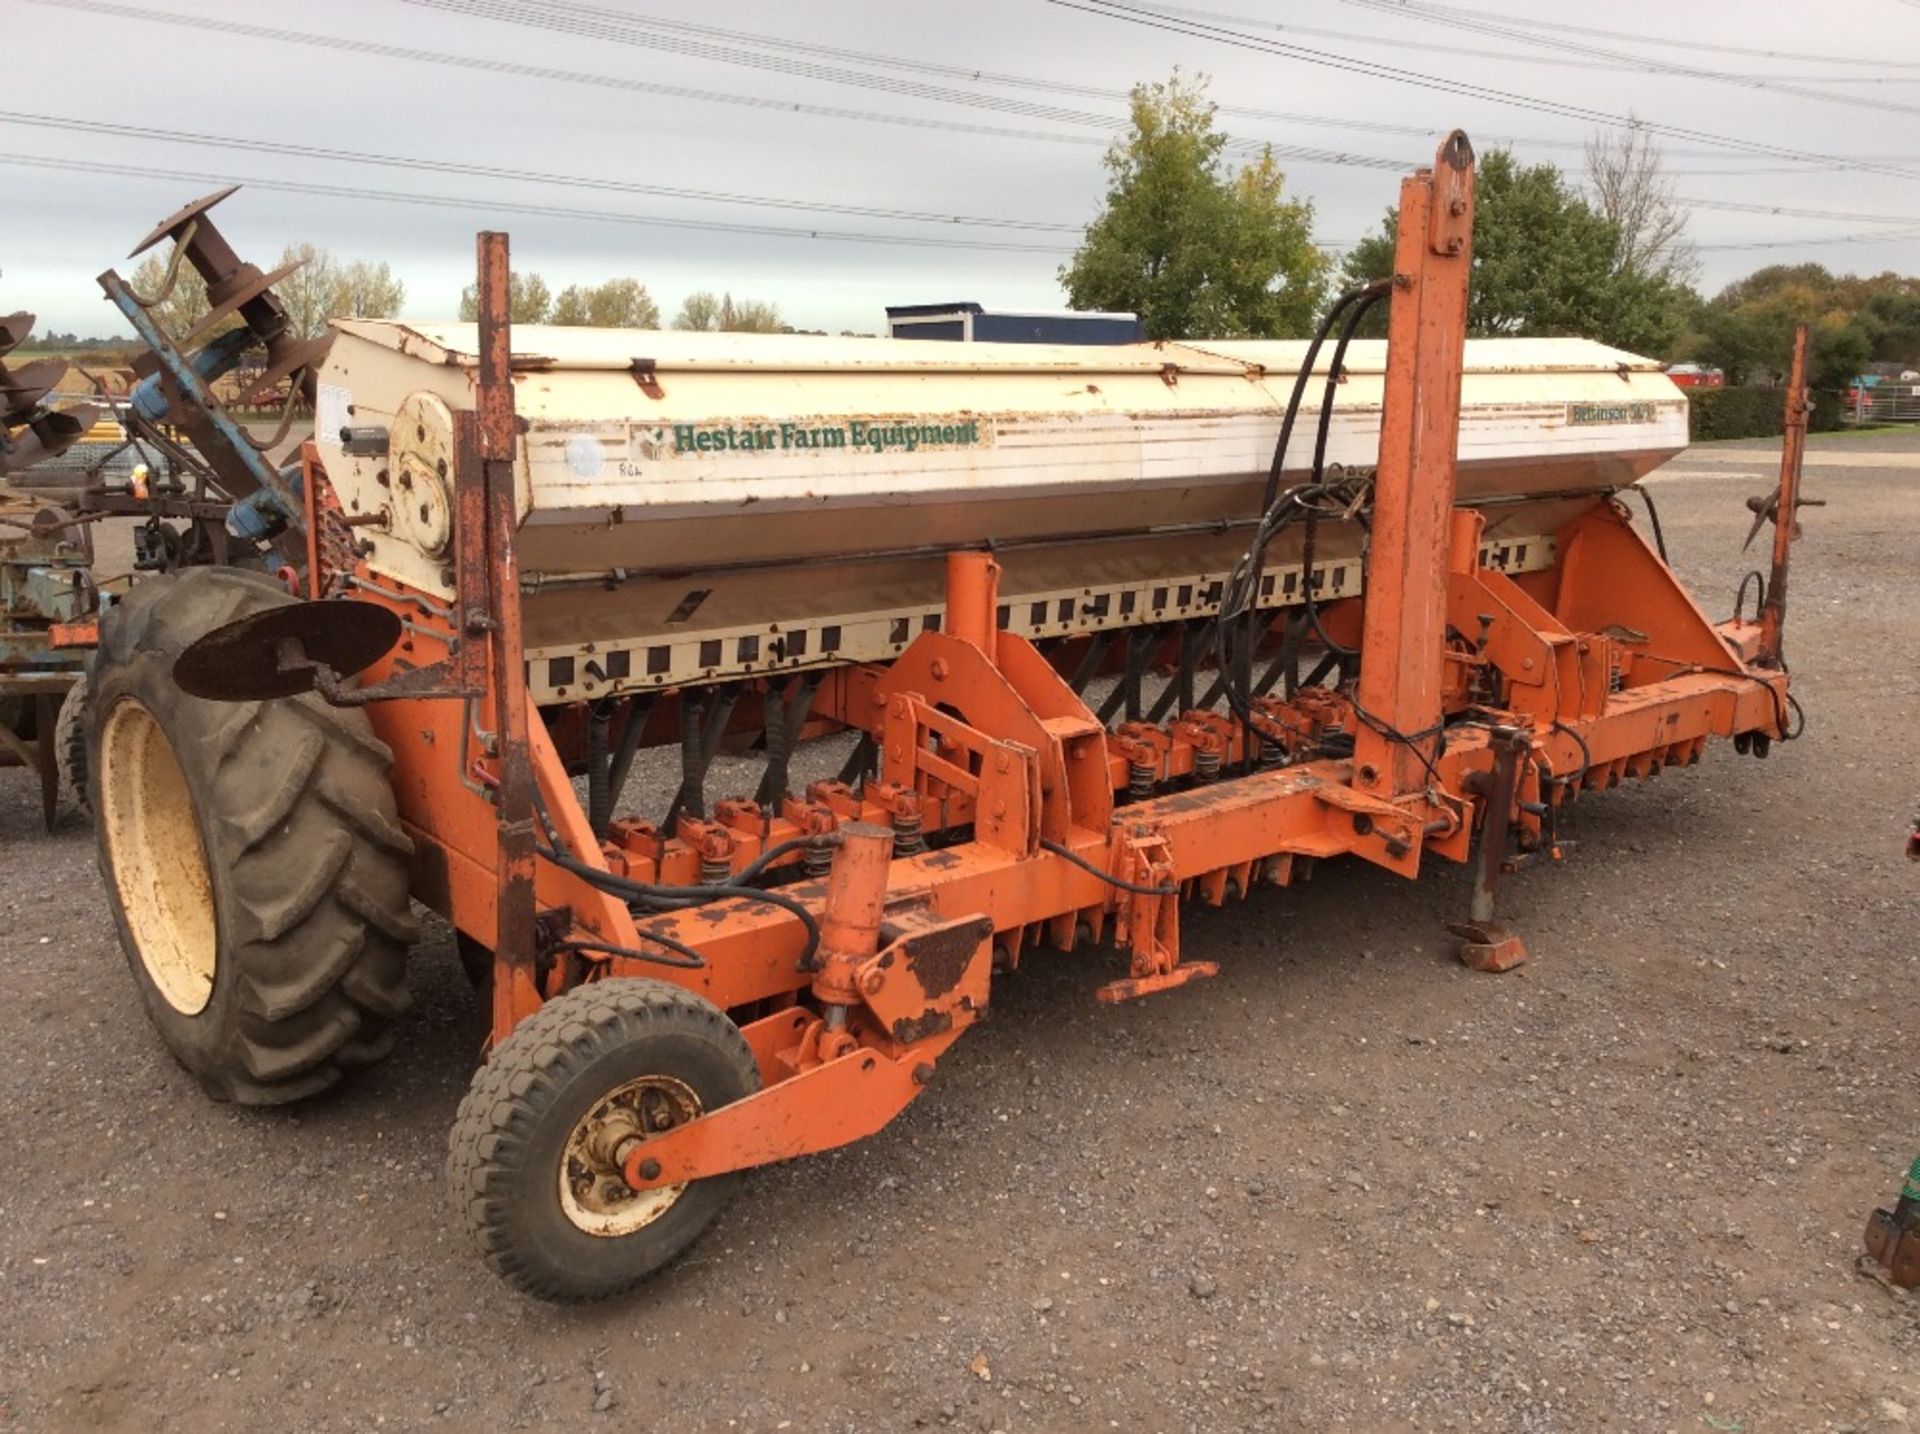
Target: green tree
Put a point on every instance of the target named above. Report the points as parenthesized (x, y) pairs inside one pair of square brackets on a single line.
[(706, 313), (529, 300), (616, 304), (1545, 263), (1747, 328), (1196, 250), (368, 291), (324, 288)]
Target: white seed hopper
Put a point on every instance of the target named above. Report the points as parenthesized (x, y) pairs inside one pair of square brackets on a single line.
[(705, 506)]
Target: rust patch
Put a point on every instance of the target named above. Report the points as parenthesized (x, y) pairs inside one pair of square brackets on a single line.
[(930, 1022), (939, 959)]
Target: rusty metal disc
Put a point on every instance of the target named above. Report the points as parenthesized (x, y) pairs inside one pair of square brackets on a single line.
[(179, 218), (250, 286), (285, 358), (273, 653), (14, 329)]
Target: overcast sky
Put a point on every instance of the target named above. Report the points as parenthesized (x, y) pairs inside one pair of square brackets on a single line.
[(1028, 154)]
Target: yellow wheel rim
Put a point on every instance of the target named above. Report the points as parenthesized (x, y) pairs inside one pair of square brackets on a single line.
[(158, 866)]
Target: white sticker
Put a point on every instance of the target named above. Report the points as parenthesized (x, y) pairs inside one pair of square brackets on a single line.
[(586, 456), (331, 412)]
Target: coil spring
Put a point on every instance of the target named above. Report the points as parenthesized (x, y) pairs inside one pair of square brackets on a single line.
[(907, 840), (1206, 765), (1272, 754), (715, 870), (1140, 779), (817, 859)]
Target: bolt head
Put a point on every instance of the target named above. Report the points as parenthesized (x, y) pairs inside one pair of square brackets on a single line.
[(649, 1169)]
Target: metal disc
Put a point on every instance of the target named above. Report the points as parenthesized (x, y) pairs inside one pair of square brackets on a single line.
[(272, 653), (178, 219)]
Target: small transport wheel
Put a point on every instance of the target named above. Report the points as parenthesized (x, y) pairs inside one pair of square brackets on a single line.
[(533, 1160), (70, 746), (254, 863)]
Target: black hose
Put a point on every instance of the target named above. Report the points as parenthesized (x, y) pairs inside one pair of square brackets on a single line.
[(599, 769), (1077, 860), (1653, 517), (1301, 380), (1586, 753), (690, 959), (671, 898), (1759, 581), (680, 898)]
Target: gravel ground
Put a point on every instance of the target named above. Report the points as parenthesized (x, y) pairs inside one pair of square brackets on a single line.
[(1346, 1184)]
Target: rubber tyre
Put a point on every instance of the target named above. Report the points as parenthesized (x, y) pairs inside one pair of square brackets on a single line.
[(504, 1157), (307, 861), (70, 746)]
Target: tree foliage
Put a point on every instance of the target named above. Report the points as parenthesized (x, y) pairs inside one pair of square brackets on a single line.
[(180, 307), (1631, 190), (1747, 328), (709, 313), (1196, 250), (324, 288), (1546, 263), (616, 304), (529, 300)]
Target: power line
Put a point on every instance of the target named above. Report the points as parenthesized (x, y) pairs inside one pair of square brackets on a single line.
[(504, 206), (1630, 63), (733, 47), (1479, 25), (1109, 9), (1667, 42), (485, 171), (585, 22), (1107, 127), (201, 24), (436, 166), (1783, 211), (1883, 237), (839, 54)]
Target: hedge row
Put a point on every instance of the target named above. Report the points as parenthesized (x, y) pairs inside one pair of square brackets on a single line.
[(1752, 413)]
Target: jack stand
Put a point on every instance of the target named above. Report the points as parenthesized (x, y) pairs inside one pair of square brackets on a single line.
[(1893, 1236), (1486, 944)]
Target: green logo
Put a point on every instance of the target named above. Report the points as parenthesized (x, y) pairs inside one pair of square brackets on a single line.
[(870, 435)]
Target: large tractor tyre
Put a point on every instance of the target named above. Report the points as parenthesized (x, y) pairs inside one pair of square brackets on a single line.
[(70, 746), (254, 863), (532, 1163)]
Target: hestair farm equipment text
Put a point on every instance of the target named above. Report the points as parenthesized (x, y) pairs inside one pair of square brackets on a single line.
[(1114, 628)]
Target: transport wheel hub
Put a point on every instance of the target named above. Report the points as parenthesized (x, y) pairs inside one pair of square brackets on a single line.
[(593, 1193)]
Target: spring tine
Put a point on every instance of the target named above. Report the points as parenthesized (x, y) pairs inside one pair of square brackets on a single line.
[(859, 761), (1286, 662), (693, 771), (786, 715), (638, 710), (1140, 645), (1192, 642), (1091, 662)]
